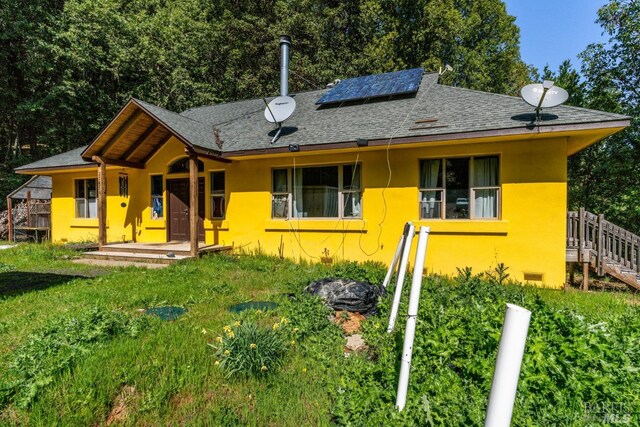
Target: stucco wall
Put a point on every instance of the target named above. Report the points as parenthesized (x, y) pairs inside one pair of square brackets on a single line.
[(529, 237)]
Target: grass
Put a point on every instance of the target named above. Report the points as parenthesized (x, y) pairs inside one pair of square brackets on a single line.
[(166, 374)]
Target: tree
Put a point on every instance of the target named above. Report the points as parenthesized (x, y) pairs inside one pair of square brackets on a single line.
[(605, 178), (69, 65)]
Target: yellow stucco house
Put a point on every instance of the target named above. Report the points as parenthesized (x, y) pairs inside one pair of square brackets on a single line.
[(340, 181)]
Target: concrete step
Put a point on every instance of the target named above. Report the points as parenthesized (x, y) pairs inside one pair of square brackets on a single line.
[(134, 257), (148, 249), (109, 263)]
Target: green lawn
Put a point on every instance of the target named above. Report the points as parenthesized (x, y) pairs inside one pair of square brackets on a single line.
[(164, 373)]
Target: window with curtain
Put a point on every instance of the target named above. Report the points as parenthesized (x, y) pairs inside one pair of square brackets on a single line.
[(460, 188), (217, 195), (280, 194), (431, 188), (485, 187), (86, 193), (157, 205), (317, 192)]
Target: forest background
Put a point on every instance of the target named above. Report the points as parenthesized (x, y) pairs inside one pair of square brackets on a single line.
[(67, 66)]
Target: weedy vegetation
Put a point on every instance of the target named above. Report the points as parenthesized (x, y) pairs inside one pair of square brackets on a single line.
[(76, 350)]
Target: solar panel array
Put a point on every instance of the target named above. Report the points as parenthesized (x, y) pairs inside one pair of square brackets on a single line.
[(374, 86)]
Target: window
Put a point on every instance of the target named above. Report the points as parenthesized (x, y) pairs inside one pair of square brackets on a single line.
[(460, 188), (217, 195), (86, 194), (317, 192), (157, 205)]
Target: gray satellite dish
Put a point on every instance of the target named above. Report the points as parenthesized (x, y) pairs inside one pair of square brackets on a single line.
[(544, 95), (280, 109)]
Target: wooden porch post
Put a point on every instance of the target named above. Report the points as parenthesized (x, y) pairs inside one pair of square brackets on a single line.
[(569, 282), (102, 201), (572, 274), (585, 276), (11, 237), (193, 202), (29, 210)]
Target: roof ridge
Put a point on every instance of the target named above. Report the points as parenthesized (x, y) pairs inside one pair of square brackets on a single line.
[(237, 101)]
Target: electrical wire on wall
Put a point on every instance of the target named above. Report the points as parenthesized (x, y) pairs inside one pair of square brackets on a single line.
[(341, 221), (384, 200)]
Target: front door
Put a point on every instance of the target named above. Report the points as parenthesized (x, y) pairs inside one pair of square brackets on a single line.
[(179, 209)]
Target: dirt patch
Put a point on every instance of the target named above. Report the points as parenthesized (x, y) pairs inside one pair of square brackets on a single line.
[(350, 322), (181, 400), (9, 416), (122, 405)]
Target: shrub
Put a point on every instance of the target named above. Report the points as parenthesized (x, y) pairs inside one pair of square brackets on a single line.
[(369, 271), (246, 349), (573, 360), (57, 346)]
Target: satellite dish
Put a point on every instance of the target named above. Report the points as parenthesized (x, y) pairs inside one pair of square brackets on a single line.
[(544, 95), (280, 109)]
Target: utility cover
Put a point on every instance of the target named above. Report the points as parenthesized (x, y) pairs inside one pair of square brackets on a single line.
[(166, 313)]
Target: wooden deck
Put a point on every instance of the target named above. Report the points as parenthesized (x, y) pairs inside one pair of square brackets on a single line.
[(154, 253), (602, 247)]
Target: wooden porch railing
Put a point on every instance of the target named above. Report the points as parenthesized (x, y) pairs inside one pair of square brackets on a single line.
[(599, 240)]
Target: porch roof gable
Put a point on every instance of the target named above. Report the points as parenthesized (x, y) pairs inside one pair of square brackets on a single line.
[(140, 129)]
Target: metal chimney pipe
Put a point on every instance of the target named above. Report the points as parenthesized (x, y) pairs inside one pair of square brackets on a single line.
[(285, 42)]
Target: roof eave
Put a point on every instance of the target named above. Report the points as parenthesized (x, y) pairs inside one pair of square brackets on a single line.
[(500, 132), (44, 170)]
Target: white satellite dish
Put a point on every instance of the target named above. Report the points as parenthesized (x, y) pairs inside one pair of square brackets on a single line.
[(544, 95), (280, 109)]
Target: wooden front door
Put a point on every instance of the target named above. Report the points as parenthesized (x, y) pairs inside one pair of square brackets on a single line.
[(179, 209)]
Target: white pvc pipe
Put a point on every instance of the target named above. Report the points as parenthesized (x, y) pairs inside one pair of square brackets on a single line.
[(396, 257), (412, 318), (508, 364), (401, 274)]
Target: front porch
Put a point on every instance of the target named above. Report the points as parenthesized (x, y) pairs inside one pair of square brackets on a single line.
[(150, 253)]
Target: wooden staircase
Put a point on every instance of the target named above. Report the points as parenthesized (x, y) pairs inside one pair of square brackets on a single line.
[(603, 248)]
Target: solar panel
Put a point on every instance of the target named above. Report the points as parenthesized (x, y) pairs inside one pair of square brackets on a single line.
[(373, 86)]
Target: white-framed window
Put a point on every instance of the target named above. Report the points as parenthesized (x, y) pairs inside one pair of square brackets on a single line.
[(86, 193), (317, 192), (460, 188), (217, 195), (157, 203)]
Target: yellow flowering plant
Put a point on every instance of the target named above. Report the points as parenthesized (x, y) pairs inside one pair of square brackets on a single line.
[(250, 350)]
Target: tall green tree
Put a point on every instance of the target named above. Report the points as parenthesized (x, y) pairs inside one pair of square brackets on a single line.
[(605, 178), (68, 65)]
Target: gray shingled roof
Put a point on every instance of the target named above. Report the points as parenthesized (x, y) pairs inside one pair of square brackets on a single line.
[(197, 133), (38, 185), (66, 159), (242, 125)]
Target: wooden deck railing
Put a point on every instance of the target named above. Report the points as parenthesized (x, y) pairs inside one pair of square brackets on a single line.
[(592, 235)]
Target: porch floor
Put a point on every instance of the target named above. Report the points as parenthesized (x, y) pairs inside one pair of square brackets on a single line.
[(163, 247)]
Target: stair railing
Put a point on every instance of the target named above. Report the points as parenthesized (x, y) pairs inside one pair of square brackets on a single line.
[(593, 236)]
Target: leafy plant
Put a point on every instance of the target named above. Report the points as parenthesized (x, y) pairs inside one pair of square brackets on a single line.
[(57, 346), (246, 349), (467, 278), (499, 274), (573, 359), (369, 271)]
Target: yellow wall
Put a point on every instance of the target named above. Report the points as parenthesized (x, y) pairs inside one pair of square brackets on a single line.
[(529, 237)]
